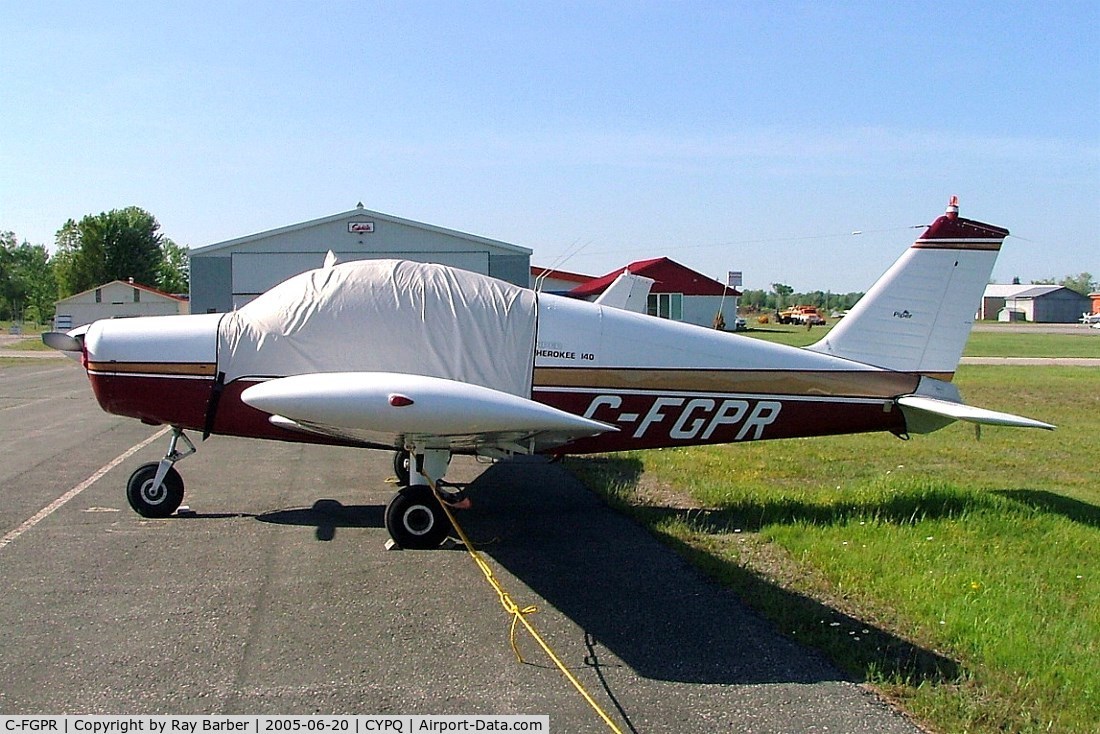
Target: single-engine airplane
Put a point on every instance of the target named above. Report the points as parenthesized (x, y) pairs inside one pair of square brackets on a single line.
[(430, 361)]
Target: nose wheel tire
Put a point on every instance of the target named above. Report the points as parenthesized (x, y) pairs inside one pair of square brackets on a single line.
[(150, 501), (416, 520)]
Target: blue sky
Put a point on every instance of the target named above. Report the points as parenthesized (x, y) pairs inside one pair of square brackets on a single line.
[(729, 136)]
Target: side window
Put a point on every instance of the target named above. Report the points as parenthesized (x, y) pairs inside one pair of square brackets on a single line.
[(666, 306)]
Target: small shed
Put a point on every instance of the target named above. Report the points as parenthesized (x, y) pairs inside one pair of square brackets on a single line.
[(117, 299), (678, 293)]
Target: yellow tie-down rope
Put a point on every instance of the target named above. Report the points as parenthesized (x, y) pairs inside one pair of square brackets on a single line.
[(519, 615)]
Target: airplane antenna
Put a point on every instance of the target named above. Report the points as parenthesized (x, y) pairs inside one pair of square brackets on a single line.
[(570, 251)]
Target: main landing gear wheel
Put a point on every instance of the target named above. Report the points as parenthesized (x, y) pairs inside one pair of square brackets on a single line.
[(416, 520), (401, 467), (150, 501)]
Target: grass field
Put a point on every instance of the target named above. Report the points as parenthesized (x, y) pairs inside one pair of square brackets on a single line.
[(27, 327), (30, 344), (1086, 343), (992, 344), (955, 574), (31, 341)]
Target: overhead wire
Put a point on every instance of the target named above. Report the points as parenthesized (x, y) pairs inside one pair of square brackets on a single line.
[(758, 241)]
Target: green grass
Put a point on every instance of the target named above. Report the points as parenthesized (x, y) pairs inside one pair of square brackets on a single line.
[(32, 340), (789, 334), (1086, 343), (30, 344), (957, 575), (1009, 344), (28, 327), (13, 362)]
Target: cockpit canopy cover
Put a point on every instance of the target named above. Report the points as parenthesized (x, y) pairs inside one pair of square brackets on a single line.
[(386, 316)]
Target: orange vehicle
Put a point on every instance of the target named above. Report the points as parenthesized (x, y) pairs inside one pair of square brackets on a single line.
[(801, 315)]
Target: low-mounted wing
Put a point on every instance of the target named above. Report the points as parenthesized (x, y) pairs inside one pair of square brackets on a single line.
[(70, 342), (391, 408), (61, 342)]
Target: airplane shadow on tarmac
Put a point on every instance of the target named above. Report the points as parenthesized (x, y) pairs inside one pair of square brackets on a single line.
[(628, 593), (663, 617), (328, 515)]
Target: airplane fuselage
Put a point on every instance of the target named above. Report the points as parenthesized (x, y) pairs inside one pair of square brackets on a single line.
[(664, 383), (661, 383)]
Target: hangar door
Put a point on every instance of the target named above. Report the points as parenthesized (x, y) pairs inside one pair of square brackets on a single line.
[(256, 272)]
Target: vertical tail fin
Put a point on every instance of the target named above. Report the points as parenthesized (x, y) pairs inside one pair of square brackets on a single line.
[(628, 292), (917, 316)]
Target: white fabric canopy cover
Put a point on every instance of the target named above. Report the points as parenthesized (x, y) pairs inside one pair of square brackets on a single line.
[(386, 316)]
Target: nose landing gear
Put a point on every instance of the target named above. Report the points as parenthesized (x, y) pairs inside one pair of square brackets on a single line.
[(156, 489)]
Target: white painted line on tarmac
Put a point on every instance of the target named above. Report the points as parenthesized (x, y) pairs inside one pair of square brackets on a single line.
[(57, 503)]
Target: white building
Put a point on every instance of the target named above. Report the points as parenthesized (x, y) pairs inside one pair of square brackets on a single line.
[(117, 299)]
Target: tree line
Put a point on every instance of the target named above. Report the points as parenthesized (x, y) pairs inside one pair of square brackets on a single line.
[(115, 245), (782, 295), (127, 243), (1083, 283)]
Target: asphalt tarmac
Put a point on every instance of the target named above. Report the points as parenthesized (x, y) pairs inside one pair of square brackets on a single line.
[(276, 595)]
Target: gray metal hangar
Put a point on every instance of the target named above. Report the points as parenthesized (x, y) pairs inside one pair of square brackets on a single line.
[(227, 275)]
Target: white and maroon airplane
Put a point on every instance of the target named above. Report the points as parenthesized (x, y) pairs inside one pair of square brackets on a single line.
[(430, 361)]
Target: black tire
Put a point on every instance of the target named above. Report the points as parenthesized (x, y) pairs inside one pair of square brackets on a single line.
[(416, 520), (401, 468), (162, 501)]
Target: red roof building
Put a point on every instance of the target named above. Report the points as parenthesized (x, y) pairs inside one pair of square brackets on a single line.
[(669, 277), (678, 292), (552, 280)]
